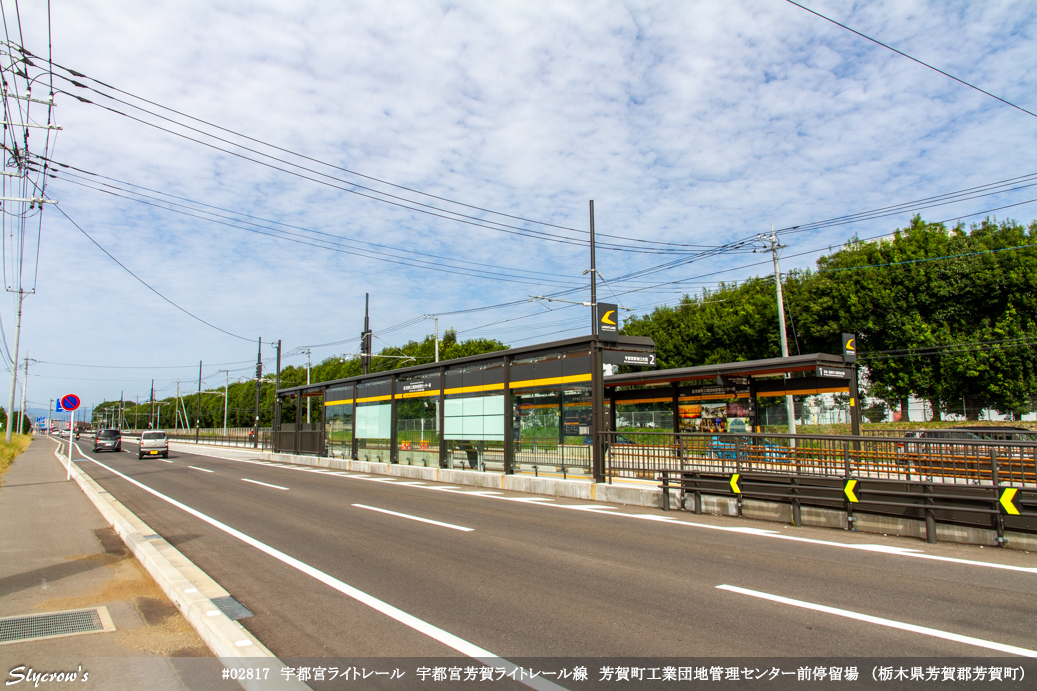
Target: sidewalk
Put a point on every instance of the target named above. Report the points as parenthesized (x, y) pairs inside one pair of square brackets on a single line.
[(57, 553)]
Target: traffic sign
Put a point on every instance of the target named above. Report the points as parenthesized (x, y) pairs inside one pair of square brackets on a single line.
[(69, 402), (850, 491), (735, 487), (1008, 502)]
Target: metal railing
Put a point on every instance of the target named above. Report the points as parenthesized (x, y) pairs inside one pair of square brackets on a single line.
[(975, 483), (218, 439), (956, 461)]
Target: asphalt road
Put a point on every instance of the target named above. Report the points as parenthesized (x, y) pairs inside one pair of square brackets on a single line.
[(537, 577)]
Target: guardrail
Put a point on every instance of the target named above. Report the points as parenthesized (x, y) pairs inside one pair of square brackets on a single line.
[(991, 484)]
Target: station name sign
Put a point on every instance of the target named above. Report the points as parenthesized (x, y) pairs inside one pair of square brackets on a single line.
[(416, 386), (833, 372), (628, 357)]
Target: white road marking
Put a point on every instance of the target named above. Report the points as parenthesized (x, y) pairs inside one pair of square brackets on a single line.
[(257, 482), (413, 518), (925, 630), (163, 460), (204, 470), (445, 637), (757, 532)]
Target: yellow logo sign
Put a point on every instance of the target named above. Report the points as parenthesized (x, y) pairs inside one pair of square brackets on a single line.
[(851, 345), (607, 319)]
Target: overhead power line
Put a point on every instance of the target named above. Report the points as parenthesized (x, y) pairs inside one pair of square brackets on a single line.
[(914, 59), (145, 283)]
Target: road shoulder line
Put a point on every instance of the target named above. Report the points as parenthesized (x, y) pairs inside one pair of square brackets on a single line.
[(186, 585)]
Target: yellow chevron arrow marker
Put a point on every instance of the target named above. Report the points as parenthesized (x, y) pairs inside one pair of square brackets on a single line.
[(734, 484), (1007, 500), (848, 490)]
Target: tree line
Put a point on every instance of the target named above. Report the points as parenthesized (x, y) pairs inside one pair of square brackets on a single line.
[(945, 314), (241, 395)]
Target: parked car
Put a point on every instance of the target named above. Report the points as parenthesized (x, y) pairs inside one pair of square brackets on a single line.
[(108, 440), (153, 444)]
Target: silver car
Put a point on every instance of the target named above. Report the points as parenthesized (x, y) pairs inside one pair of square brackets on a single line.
[(153, 444)]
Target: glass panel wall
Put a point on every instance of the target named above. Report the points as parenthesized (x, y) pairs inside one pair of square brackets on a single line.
[(473, 416), (551, 408), (417, 419), (374, 420), (338, 421)]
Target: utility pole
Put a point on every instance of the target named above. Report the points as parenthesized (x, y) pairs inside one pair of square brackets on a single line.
[(365, 337), (50, 407), (14, 370), (594, 281), (151, 415), (259, 378), (25, 383), (122, 409), (307, 382), (198, 407), (276, 422), (790, 406), (226, 395), (176, 416)]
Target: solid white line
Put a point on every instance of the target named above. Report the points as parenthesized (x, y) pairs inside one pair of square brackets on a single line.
[(163, 460), (958, 638), (257, 482), (413, 518), (434, 632), (204, 470)]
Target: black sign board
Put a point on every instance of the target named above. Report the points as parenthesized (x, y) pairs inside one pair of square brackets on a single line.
[(849, 347), (833, 372), (417, 386), (628, 358), (608, 322)]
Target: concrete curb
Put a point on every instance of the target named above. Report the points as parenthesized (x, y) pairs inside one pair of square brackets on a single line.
[(630, 495), (188, 587)]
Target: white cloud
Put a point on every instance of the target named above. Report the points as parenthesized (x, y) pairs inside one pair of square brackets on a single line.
[(686, 122)]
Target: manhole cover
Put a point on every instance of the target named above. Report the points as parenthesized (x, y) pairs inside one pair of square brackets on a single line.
[(34, 627)]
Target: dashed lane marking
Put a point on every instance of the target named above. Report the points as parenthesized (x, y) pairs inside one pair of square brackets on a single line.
[(265, 484), (445, 637), (204, 470), (414, 518), (756, 532)]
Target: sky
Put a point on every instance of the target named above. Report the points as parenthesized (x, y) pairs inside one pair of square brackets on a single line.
[(692, 125)]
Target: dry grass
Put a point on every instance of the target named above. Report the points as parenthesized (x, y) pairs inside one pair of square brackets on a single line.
[(8, 451)]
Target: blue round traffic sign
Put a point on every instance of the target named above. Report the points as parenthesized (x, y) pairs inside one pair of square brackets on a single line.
[(70, 401)]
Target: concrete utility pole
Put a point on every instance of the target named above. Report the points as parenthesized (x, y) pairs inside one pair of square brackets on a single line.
[(790, 405), (307, 384), (226, 395), (14, 369), (259, 378), (25, 383), (151, 415), (198, 406)]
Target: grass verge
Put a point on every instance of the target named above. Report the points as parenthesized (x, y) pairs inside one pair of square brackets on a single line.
[(9, 450)]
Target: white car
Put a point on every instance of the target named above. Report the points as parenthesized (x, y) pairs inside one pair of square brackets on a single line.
[(153, 444)]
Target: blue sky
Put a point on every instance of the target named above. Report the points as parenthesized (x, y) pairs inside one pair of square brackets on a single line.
[(698, 123)]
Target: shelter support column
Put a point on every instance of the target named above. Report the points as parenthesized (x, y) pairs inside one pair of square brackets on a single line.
[(509, 421), (597, 412)]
